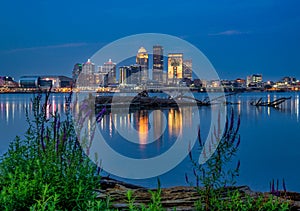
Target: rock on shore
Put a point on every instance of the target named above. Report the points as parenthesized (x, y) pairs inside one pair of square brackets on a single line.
[(181, 197)]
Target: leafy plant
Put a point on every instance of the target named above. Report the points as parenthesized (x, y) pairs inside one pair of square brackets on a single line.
[(153, 205), (214, 174), (130, 201), (234, 200), (47, 169)]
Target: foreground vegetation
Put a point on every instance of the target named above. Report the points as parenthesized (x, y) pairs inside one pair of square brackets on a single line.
[(48, 170)]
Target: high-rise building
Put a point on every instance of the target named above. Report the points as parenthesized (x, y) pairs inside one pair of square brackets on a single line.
[(101, 77), (106, 74), (130, 75), (175, 61), (142, 60), (110, 68), (124, 74), (158, 63), (88, 67), (187, 69), (76, 71), (87, 78)]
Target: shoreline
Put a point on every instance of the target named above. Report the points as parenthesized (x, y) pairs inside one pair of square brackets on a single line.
[(161, 90), (181, 197)]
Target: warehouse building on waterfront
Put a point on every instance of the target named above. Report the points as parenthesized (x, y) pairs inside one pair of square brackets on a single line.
[(45, 82)]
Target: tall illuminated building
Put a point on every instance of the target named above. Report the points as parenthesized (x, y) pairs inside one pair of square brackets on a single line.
[(124, 75), (110, 69), (187, 69), (175, 63), (158, 63), (107, 74), (76, 71), (142, 59), (88, 67), (130, 75), (87, 78)]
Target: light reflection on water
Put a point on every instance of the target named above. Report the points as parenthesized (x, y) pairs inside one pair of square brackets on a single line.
[(269, 137), (18, 104), (156, 129)]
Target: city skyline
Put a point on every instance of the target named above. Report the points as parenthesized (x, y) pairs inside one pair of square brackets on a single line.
[(171, 70), (239, 38)]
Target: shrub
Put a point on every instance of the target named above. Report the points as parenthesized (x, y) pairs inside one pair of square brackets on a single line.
[(47, 169), (214, 175)]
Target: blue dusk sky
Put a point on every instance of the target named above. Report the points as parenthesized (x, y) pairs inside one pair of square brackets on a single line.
[(238, 37)]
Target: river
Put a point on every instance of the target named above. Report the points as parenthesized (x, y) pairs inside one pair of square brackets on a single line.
[(270, 138)]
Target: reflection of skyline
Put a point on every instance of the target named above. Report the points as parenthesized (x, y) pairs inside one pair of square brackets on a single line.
[(13, 107), (142, 125), (10, 107), (175, 122), (158, 125), (143, 121)]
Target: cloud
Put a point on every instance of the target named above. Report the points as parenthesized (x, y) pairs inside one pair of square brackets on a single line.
[(65, 45), (228, 33)]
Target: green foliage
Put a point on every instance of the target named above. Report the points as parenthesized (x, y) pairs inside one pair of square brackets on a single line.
[(236, 201), (47, 170), (153, 205), (130, 201), (214, 175)]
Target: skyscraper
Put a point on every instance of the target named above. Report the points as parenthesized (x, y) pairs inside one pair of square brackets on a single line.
[(130, 75), (142, 61), (88, 67), (124, 75), (107, 74), (175, 61), (158, 63), (187, 69), (110, 68), (76, 71), (86, 78)]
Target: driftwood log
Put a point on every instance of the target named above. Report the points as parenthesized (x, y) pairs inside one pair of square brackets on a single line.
[(273, 103)]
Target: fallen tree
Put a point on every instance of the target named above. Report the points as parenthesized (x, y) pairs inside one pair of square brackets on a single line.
[(273, 103)]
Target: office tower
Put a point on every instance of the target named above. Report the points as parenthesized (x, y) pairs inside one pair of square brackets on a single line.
[(88, 67), (175, 61), (130, 75), (124, 74), (158, 63), (86, 78), (110, 69), (187, 69), (142, 61), (76, 71)]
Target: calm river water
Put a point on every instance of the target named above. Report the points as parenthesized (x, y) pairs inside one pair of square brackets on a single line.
[(270, 138)]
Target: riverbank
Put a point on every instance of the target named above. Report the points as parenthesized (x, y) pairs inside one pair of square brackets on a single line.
[(181, 197), (19, 90)]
